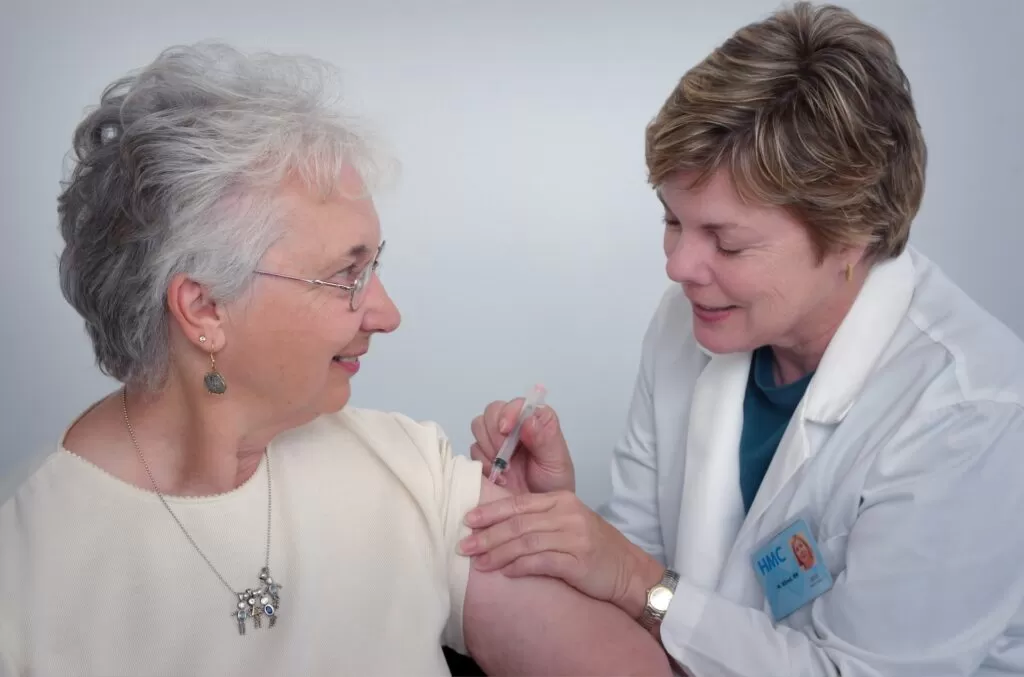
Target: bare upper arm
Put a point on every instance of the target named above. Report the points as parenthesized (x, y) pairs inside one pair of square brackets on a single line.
[(542, 626)]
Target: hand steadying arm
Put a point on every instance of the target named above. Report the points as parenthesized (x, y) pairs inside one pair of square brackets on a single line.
[(542, 626)]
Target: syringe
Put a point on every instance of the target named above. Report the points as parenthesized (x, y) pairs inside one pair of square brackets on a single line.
[(533, 400)]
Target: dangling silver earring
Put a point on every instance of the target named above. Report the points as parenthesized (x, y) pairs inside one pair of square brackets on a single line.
[(213, 380)]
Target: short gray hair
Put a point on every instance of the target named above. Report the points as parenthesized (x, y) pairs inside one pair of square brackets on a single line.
[(175, 172)]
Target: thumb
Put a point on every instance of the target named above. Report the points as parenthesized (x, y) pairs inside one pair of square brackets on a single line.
[(542, 435)]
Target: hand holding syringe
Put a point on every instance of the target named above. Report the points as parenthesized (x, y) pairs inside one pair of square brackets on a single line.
[(533, 400)]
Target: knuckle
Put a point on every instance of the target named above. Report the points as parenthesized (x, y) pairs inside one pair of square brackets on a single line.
[(520, 503), (566, 498), (530, 566), (517, 525), (532, 542), (492, 410), (547, 561)]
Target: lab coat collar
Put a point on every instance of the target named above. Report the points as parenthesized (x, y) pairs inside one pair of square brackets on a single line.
[(858, 343), (853, 351)]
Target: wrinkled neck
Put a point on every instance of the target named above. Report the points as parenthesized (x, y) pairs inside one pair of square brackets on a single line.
[(195, 443)]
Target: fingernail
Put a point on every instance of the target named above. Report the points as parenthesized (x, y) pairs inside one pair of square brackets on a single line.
[(504, 427), (473, 516), (468, 545)]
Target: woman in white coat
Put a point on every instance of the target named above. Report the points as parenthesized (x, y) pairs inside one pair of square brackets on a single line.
[(823, 469)]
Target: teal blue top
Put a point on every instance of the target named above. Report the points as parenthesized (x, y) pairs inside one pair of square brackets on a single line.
[(767, 409)]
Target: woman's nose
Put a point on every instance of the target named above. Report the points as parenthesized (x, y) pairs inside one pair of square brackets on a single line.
[(381, 314), (687, 262)]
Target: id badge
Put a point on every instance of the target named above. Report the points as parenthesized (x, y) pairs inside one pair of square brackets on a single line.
[(791, 569)]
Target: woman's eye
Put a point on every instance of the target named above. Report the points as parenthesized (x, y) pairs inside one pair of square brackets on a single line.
[(347, 276), (671, 222)]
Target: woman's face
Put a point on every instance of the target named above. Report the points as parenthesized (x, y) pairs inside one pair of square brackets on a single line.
[(293, 348), (750, 272), (802, 552)]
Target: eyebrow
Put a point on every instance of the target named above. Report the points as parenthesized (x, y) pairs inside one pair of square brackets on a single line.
[(710, 225), (358, 251)]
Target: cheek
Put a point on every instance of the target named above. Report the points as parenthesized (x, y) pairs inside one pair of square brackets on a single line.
[(745, 282), (282, 341)]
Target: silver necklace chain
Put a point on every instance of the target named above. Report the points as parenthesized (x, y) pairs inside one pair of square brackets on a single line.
[(268, 593)]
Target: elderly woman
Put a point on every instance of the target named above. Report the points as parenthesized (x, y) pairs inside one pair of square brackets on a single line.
[(225, 513), (807, 375)]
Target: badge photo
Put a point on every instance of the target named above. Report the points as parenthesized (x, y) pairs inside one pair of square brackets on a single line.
[(791, 570)]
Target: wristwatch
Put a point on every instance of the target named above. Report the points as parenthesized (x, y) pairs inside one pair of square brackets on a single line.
[(659, 596)]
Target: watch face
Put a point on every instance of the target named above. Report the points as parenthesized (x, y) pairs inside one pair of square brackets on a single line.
[(660, 598)]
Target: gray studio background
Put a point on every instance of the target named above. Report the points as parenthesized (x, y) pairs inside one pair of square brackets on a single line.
[(524, 244)]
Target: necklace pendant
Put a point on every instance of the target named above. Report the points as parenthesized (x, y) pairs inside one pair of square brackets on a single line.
[(259, 603)]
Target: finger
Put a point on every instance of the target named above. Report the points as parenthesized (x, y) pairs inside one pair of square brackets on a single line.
[(517, 526), (498, 511), (549, 563), (494, 417), (534, 543), (486, 465), (482, 438), (477, 454), (508, 415)]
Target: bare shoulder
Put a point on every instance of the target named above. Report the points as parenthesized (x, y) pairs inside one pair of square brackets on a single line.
[(99, 436)]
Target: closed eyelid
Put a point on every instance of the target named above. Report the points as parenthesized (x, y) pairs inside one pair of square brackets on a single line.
[(356, 257)]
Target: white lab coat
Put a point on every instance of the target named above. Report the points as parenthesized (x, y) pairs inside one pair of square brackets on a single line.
[(906, 459)]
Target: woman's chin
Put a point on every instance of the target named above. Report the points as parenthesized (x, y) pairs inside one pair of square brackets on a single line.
[(335, 397), (720, 341)]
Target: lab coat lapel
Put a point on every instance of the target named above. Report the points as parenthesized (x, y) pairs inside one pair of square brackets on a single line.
[(711, 509), (850, 358)]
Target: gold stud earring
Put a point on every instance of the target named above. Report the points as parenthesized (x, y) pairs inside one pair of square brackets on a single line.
[(213, 380), (849, 272)]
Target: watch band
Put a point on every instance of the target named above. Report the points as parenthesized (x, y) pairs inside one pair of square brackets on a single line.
[(653, 615)]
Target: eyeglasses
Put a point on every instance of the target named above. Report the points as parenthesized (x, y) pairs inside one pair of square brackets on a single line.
[(356, 290)]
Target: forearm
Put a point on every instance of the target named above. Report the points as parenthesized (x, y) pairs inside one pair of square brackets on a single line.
[(547, 628)]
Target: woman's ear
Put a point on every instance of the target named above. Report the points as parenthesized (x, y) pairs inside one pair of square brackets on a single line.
[(196, 313), (849, 258)]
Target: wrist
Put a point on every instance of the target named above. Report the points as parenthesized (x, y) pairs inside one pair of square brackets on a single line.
[(647, 573)]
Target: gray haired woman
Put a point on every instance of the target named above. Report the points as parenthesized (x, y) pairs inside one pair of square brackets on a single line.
[(225, 512)]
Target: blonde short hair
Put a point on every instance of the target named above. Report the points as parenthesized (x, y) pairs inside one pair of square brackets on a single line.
[(808, 110)]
